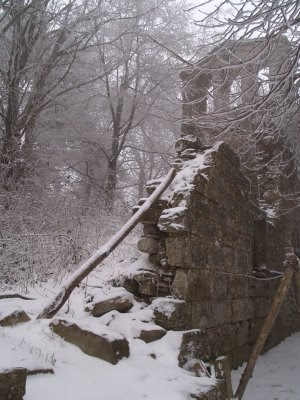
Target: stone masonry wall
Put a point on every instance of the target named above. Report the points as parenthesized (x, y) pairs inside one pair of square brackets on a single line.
[(200, 240)]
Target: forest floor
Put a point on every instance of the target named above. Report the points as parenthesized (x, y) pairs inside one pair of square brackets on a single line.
[(151, 372)]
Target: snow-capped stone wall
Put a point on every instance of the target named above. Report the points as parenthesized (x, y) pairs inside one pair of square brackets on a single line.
[(201, 240)]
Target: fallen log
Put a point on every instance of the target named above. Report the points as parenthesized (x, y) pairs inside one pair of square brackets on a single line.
[(292, 264), (14, 296), (65, 291)]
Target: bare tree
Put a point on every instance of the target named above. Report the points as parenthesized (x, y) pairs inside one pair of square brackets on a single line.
[(88, 103), (40, 44), (245, 90), (144, 77)]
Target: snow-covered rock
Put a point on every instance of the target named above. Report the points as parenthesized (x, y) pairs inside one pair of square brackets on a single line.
[(13, 383), (194, 346), (118, 300), (150, 335), (170, 313), (12, 315), (94, 339)]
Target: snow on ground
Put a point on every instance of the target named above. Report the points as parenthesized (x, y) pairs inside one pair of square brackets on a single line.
[(277, 373), (81, 377), (151, 372)]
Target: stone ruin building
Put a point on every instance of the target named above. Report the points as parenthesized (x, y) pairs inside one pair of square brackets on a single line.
[(215, 248), (215, 240)]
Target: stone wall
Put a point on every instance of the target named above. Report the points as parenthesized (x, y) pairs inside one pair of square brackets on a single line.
[(203, 238)]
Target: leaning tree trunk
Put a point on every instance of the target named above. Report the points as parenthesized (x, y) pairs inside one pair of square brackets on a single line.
[(64, 293)]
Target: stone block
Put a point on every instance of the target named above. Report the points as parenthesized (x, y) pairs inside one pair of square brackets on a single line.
[(214, 339), (228, 338), (259, 288), (228, 258), (95, 341), (174, 220), (206, 285), (148, 287), (118, 303), (13, 317), (199, 285), (282, 328), (216, 255), (261, 306), (175, 250), (202, 315), (206, 228), (240, 355), (152, 185), (207, 314), (172, 314), (194, 346), (259, 243), (151, 335), (151, 216), (255, 326), (238, 287), (218, 391), (195, 255), (272, 340), (202, 208), (188, 142), (226, 151), (221, 312), (263, 288), (219, 285), (154, 259), (131, 285), (180, 285), (188, 154), (223, 371), (148, 244), (152, 230), (241, 310), (242, 333), (13, 383), (242, 261)]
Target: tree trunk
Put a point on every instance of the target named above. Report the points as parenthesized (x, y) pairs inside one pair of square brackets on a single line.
[(142, 181), (111, 184), (59, 300)]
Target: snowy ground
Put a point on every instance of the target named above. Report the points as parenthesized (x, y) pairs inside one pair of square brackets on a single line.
[(81, 377), (151, 372), (277, 373)]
